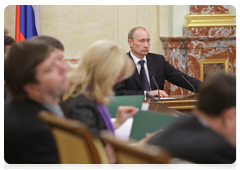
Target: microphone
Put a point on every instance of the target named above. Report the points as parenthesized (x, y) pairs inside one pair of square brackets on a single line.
[(151, 74), (182, 75)]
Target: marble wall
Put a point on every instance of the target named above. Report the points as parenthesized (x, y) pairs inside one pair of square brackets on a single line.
[(199, 43)]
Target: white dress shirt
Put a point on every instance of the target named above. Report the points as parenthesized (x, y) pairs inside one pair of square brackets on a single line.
[(136, 60)]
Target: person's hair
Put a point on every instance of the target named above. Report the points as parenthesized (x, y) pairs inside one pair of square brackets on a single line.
[(8, 41), (20, 66), (100, 66), (217, 93), (131, 33), (48, 40)]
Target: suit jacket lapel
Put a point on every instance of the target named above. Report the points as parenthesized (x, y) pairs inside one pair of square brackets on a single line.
[(151, 69), (136, 75)]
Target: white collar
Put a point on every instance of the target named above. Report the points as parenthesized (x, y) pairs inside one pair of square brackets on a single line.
[(136, 60)]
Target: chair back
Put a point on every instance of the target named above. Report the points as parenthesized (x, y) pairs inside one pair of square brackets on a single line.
[(128, 154), (74, 141)]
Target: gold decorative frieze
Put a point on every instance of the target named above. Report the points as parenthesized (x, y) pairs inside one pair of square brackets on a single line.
[(210, 20)]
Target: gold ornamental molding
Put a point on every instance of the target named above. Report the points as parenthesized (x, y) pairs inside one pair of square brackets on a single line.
[(210, 20)]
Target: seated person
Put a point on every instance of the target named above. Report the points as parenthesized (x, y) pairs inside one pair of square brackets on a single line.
[(102, 65), (209, 137), (35, 79), (147, 66)]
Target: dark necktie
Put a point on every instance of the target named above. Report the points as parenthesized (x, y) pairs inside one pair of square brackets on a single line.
[(143, 76)]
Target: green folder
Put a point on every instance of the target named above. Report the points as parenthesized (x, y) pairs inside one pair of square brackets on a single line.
[(133, 100), (148, 122)]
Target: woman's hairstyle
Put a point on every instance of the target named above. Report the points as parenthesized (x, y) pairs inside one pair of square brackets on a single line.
[(101, 65)]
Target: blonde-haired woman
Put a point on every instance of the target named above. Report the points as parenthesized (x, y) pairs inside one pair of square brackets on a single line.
[(103, 64)]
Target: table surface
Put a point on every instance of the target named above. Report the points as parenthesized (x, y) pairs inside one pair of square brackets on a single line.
[(173, 105)]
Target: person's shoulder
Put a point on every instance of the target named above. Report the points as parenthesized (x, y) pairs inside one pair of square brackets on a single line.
[(26, 104), (79, 107), (179, 126), (79, 100), (155, 56), (191, 124), (182, 122), (22, 112)]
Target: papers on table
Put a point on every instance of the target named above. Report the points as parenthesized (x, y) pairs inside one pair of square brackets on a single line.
[(124, 131), (145, 106)]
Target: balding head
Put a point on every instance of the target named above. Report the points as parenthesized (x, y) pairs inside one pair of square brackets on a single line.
[(131, 33)]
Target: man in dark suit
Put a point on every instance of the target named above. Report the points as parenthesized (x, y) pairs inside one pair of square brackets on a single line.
[(35, 79), (148, 65), (208, 137)]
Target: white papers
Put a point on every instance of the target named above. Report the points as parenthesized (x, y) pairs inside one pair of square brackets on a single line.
[(145, 106), (124, 131)]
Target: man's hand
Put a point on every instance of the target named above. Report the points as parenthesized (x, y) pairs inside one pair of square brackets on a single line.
[(154, 93), (123, 113)]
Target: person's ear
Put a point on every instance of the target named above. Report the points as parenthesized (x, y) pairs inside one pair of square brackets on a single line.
[(229, 117), (130, 43), (31, 89)]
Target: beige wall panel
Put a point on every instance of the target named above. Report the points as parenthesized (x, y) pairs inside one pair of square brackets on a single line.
[(164, 20), (9, 19), (78, 26), (126, 21), (153, 29), (143, 16), (163, 24)]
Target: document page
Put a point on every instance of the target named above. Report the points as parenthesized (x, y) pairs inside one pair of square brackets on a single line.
[(123, 132)]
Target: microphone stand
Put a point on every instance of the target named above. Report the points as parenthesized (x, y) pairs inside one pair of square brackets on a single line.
[(189, 84), (156, 85)]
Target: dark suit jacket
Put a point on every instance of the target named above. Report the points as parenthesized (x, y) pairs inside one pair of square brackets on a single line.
[(27, 140), (82, 109), (161, 70), (188, 139)]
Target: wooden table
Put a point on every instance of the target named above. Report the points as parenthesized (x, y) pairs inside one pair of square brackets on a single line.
[(180, 104)]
